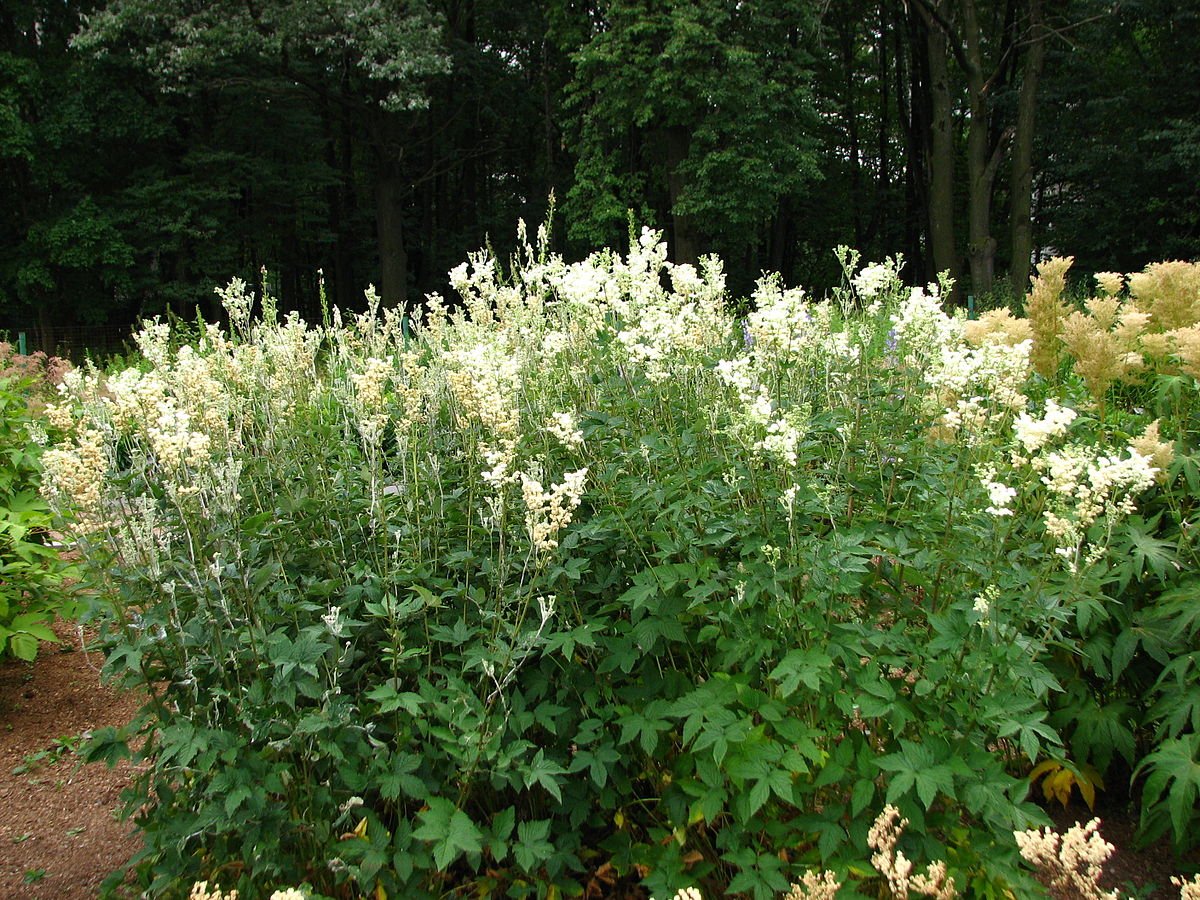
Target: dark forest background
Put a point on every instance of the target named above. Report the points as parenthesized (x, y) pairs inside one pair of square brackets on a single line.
[(152, 149)]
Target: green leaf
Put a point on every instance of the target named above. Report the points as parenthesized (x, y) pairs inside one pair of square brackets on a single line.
[(108, 745), (805, 667), (1124, 647), (533, 846), (861, 796), (545, 772), (1174, 771), (390, 700), (24, 646), (235, 798), (645, 725), (450, 830), (399, 778), (916, 766)]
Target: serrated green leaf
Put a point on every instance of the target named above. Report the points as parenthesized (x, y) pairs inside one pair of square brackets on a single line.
[(861, 796), (545, 772)]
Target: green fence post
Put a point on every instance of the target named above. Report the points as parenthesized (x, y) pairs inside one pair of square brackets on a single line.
[(21, 343), (970, 306)]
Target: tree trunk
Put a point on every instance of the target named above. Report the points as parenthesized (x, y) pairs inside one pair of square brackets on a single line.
[(47, 338), (390, 191), (941, 155), (1021, 198), (981, 164), (848, 40), (678, 143), (912, 104)]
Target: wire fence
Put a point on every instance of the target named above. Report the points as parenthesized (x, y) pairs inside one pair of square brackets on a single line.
[(73, 342)]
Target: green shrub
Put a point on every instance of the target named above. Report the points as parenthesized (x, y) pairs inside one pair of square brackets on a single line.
[(589, 582), (31, 586)]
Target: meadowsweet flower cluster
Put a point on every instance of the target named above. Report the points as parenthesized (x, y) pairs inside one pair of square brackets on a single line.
[(1084, 486), (661, 330), (995, 371), (783, 321), (201, 891), (561, 426), (1000, 495), (1034, 434), (485, 380), (547, 513), (922, 329), (75, 477), (876, 280), (362, 552), (1188, 890), (370, 403)]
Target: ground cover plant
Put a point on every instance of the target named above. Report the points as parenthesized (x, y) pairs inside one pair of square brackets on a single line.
[(589, 581)]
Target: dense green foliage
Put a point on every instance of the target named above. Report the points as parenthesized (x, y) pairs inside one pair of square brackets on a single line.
[(593, 583), (150, 149), (32, 592)]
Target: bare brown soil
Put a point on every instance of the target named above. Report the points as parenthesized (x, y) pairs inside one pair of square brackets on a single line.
[(59, 833)]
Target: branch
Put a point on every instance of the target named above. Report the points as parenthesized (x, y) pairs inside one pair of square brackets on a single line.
[(933, 16), (993, 163)]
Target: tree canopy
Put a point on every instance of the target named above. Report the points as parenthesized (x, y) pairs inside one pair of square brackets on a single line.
[(151, 149)]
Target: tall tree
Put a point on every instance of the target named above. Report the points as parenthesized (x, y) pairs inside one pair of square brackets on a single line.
[(1120, 185), (370, 61), (1020, 214), (992, 48), (701, 111), (63, 256)]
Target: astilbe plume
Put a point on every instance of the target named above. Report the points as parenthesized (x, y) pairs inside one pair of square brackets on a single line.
[(1188, 890), (897, 869), (814, 886), (1185, 343), (1169, 292), (1160, 453), (1110, 283), (1104, 343), (997, 326), (1046, 312), (1073, 862)]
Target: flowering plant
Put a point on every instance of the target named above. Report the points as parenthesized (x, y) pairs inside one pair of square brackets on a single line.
[(589, 582)]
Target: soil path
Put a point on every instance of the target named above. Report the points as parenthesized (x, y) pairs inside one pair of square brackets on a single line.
[(59, 834)]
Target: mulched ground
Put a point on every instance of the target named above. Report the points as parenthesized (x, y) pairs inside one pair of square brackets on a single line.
[(59, 834), (60, 837)]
